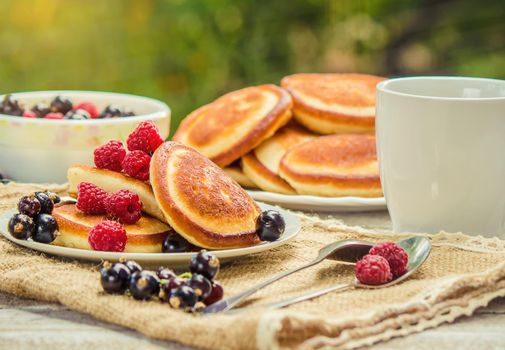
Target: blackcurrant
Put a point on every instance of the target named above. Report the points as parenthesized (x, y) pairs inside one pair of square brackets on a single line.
[(167, 285), (78, 114), (40, 110), (110, 280), (29, 205), (46, 228), (201, 285), (133, 266), (46, 204), (183, 297), (11, 106), (111, 111), (204, 263), (60, 105), (174, 244), (21, 226), (144, 285), (54, 197), (270, 225), (166, 274), (215, 295)]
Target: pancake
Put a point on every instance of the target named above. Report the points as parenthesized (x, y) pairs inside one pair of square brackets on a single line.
[(334, 166), (235, 123), (262, 164), (234, 171), (201, 202), (145, 236), (334, 103), (112, 181)]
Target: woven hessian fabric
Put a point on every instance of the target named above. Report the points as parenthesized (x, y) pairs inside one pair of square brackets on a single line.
[(461, 274)]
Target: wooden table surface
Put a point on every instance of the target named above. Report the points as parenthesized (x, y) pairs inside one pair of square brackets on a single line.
[(28, 324)]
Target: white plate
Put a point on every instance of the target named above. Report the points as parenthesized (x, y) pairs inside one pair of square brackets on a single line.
[(320, 204), (165, 259)]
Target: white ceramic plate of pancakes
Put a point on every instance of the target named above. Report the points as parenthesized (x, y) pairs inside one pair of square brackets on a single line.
[(152, 259), (307, 145)]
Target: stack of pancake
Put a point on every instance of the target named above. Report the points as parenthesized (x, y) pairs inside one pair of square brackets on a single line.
[(313, 135), (187, 194)]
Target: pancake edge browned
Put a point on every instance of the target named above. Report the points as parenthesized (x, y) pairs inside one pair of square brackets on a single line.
[(253, 164), (80, 230), (276, 118), (193, 232)]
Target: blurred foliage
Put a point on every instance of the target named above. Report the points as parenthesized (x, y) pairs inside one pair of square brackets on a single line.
[(187, 52)]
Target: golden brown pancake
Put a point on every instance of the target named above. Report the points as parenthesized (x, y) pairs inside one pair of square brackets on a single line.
[(112, 181), (234, 171), (262, 163), (201, 202), (334, 103), (145, 236), (235, 123), (334, 166)]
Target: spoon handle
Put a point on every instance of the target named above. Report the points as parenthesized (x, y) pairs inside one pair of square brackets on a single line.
[(229, 303), (309, 295)]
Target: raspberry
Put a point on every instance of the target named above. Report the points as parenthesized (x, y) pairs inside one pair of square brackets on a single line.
[(396, 256), (29, 114), (145, 137), (88, 107), (136, 164), (90, 199), (108, 236), (124, 206), (55, 115), (110, 156), (373, 269)]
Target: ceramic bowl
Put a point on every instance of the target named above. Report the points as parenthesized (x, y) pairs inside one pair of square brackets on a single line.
[(41, 150)]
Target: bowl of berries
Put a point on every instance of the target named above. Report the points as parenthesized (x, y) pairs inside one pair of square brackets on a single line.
[(42, 133)]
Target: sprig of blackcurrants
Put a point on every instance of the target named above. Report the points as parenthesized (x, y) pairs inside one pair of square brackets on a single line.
[(34, 219), (190, 291)]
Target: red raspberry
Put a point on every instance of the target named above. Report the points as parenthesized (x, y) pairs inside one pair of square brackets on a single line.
[(124, 206), (396, 256), (145, 137), (55, 115), (90, 199), (108, 236), (136, 164), (88, 107), (29, 114), (373, 269), (110, 156)]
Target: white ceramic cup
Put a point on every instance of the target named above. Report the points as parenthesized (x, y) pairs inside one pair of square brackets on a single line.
[(441, 149)]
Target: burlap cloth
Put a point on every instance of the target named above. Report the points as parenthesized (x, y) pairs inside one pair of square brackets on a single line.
[(461, 274)]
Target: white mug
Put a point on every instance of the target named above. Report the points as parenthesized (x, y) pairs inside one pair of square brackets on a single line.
[(441, 150)]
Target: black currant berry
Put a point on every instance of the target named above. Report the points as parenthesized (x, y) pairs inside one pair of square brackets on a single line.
[(111, 280), (29, 205), (46, 228), (46, 204), (60, 105), (183, 297), (201, 285), (174, 244), (40, 110), (133, 266), (270, 225), (144, 285), (124, 274), (78, 114), (215, 295), (111, 111), (53, 197), (21, 226), (11, 106), (167, 285), (205, 263), (166, 274)]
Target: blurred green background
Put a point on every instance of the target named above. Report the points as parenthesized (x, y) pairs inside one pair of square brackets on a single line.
[(188, 52)]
